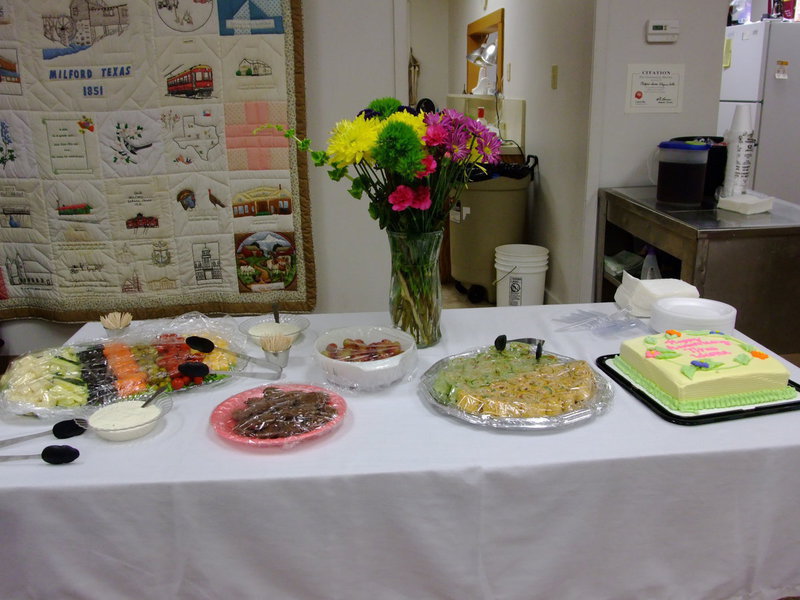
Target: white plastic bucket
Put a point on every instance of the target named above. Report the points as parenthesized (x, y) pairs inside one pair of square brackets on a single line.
[(522, 254), (519, 285), (523, 262)]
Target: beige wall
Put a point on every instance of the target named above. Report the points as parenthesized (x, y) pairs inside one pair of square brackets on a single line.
[(538, 35), (428, 32), (580, 131), (350, 58), (620, 143)]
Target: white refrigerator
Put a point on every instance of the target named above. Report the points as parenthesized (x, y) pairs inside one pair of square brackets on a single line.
[(761, 69)]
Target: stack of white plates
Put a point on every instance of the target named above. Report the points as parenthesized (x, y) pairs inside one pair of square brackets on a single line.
[(692, 314)]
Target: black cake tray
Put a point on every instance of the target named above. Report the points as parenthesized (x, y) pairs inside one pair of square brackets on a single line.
[(704, 416)]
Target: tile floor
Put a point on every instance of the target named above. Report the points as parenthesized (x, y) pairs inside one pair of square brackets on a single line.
[(452, 298)]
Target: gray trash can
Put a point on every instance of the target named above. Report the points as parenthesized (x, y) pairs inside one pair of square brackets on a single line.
[(488, 214)]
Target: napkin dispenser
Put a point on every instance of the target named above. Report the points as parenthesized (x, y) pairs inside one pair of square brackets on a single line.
[(637, 295)]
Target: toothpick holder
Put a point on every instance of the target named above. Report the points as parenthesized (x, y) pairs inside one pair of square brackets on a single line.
[(278, 358)]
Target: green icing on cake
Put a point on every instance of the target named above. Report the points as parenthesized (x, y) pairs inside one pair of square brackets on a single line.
[(694, 406)]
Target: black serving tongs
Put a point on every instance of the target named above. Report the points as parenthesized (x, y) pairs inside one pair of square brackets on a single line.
[(501, 341)]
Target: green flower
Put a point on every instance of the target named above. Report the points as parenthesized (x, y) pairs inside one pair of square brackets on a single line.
[(399, 150), (384, 106)]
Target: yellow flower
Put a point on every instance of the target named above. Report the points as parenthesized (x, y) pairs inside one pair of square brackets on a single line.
[(416, 122), (352, 141)]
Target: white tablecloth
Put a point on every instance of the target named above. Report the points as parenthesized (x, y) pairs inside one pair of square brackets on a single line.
[(402, 502)]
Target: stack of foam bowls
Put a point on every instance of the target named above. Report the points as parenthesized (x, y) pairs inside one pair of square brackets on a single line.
[(521, 271)]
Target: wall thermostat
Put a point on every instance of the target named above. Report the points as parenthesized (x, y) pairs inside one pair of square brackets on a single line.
[(660, 31)]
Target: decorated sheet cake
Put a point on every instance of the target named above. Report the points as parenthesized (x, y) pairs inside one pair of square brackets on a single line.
[(691, 371)]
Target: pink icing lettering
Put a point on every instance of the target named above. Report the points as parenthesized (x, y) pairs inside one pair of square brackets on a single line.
[(702, 354), (698, 348), (677, 343)]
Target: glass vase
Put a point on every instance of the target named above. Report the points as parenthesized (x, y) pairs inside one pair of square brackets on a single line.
[(415, 300)]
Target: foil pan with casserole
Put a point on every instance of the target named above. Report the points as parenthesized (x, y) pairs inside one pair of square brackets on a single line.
[(513, 389)]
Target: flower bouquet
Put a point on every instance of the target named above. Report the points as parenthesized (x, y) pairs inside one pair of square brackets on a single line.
[(412, 166)]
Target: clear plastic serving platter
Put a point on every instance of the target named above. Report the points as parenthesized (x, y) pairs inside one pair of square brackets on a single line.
[(439, 383), (75, 379)]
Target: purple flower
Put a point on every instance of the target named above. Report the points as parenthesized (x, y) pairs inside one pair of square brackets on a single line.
[(432, 119), (458, 143), (488, 146), (699, 364), (409, 109), (476, 128), (452, 117), (368, 113)]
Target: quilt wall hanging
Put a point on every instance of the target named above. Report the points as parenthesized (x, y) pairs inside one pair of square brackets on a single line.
[(131, 178)]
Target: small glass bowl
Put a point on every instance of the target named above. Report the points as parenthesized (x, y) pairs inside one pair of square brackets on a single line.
[(264, 325), (371, 374)]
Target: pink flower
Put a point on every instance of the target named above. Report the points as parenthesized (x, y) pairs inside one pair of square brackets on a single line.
[(651, 354), (404, 197), (401, 198), (429, 166), (435, 135), (422, 198)]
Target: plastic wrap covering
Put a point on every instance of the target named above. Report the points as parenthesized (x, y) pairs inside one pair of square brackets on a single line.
[(512, 389), (281, 415), (76, 379), (366, 358)]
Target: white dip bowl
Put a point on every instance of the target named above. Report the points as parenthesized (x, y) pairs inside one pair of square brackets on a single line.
[(127, 420)]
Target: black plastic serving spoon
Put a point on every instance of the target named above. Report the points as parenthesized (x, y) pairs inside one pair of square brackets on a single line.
[(206, 346), (501, 341), (62, 430), (199, 369), (55, 455)]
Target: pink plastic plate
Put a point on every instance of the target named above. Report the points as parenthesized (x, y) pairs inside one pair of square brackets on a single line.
[(223, 422)]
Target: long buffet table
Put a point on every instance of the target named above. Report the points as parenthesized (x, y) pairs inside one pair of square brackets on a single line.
[(402, 502)]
